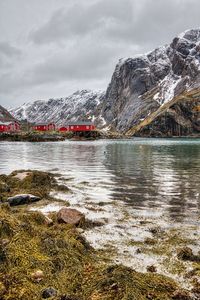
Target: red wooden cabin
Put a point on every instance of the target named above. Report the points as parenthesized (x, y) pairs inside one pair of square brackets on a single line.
[(9, 126), (44, 127), (78, 126)]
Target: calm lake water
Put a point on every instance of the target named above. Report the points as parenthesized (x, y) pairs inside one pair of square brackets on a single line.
[(146, 174)]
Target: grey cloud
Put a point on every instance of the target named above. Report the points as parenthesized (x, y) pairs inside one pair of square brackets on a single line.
[(147, 22), (80, 62), (77, 43), (8, 50), (83, 19)]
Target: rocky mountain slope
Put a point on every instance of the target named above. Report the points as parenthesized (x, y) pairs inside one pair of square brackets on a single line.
[(5, 115), (157, 93), (80, 105), (152, 94)]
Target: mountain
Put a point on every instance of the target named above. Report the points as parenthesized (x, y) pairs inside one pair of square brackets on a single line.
[(157, 93), (5, 115), (80, 105)]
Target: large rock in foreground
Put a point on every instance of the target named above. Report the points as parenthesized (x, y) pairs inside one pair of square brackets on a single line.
[(70, 216)]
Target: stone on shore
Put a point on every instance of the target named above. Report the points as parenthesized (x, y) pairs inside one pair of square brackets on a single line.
[(70, 216), (49, 292), (22, 199)]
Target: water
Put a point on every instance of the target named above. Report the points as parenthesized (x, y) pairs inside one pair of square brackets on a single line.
[(146, 174), (129, 185)]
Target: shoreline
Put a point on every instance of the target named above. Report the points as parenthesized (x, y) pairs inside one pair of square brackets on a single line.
[(155, 241), (99, 135)]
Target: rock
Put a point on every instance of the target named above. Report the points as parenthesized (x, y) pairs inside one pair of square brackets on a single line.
[(185, 253), (22, 199), (70, 216), (37, 276), (49, 292), (151, 269), (181, 295)]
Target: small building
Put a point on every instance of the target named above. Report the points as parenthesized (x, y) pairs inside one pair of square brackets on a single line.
[(44, 126), (78, 126), (9, 126)]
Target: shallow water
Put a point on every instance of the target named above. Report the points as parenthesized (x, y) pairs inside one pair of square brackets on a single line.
[(130, 186), (153, 176)]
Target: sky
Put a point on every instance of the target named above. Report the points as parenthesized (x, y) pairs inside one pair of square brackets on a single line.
[(52, 48)]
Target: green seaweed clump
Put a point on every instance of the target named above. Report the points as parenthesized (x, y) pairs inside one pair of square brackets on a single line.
[(34, 182)]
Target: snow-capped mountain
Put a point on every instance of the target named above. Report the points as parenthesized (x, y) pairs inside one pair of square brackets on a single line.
[(155, 94), (144, 87), (80, 105)]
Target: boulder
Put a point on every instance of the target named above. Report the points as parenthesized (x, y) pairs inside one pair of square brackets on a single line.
[(49, 292), (22, 199), (70, 216)]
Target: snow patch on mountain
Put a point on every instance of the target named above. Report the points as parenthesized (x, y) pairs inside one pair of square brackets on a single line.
[(78, 106)]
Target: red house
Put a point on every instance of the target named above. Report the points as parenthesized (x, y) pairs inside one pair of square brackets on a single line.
[(44, 127), (78, 126), (9, 126)]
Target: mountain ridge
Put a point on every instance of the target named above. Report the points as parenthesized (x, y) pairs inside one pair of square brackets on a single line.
[(142, 90)]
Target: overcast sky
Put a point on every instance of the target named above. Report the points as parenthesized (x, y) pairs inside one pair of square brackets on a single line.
[(51, 48)]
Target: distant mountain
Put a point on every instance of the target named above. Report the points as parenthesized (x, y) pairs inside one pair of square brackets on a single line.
[(155, 94), (81, 105), (5, 115)]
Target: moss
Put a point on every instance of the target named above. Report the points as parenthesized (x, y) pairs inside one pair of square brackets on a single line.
[(67, 263), (36, 182)]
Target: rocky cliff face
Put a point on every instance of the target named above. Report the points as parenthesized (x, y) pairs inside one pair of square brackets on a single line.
[(80, 105), (157, 91)]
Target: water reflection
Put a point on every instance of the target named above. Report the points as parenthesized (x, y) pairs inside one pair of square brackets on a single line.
[(157, 174)]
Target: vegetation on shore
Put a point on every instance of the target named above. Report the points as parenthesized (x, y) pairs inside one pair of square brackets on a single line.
[(36, 255), (43, 258)]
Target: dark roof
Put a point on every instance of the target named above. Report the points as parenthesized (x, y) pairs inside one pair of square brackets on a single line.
[(42, 123), (71, 123)]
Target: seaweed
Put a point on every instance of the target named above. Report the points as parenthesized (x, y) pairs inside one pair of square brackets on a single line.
[(37, 256)]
